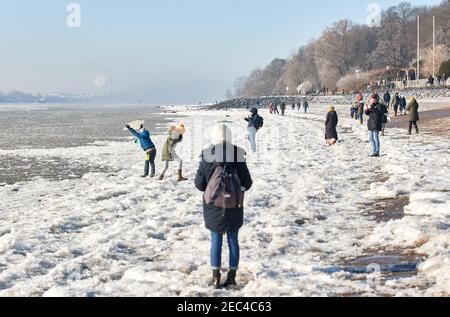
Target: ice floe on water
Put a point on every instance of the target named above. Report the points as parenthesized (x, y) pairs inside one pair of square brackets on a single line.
[(310, 228)]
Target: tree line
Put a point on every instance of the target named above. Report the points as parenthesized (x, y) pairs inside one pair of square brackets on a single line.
[(348, 55)]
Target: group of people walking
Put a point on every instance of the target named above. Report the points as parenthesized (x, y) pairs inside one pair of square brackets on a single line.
[(398, 103), (273, 107), (377, 110)]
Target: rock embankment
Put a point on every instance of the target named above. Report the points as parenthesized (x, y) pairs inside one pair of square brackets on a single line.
[(264, 101)]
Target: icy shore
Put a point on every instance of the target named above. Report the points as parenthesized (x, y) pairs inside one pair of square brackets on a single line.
[(310, 211)]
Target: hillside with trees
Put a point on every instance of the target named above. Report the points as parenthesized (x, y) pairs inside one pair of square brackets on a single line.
[(347, 56)]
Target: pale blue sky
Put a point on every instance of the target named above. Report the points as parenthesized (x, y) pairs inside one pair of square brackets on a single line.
[(164, 51)]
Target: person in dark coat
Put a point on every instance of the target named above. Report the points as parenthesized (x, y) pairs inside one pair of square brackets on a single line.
[(253, 127), (305, 105), (387, 98), (143, 136), (217, 220), (402, 105), (375, 110), (275, 109), (331, 135), (385, 112), (395, 103), (413, 116), (283, 108)]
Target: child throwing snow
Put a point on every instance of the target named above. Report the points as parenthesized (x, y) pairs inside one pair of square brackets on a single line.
[(149, 148), (169, 154)]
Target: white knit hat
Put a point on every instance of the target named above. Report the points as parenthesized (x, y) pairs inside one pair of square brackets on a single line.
[(221, 134)]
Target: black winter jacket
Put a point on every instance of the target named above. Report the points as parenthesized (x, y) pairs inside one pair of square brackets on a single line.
[(215, 219), (331, 124), (376, 115)]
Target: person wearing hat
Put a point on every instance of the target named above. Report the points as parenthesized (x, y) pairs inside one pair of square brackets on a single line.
[(254, 124), (331, 135), (168, 154), (143, 136), (376, 112), (220, 221), (413, 116)]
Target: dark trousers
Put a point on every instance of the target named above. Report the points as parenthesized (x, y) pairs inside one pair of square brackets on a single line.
[(411, 124), (150, 157)]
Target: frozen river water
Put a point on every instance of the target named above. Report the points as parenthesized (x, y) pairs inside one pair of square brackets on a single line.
[(40, 126)]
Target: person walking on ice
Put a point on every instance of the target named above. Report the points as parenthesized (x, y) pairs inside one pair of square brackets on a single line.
[(413, 109), (375, 123), (143, 136), (283, 109), (224, 177), (275, 109), (360, 108), (395, 103), (331, 135), (402, 105), (255, 122), (305, 105), (168, 154), (387, 98)]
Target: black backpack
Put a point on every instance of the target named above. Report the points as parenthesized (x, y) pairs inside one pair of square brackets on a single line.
[(259, 122)]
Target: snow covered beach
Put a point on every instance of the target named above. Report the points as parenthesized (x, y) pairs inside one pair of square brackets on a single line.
[(310, 216)]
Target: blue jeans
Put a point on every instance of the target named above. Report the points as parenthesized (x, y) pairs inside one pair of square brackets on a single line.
[(374, 137), (150, 161), (216, 250)]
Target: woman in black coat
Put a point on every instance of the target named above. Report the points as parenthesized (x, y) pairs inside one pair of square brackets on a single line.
[(331, 135), (217, 220)]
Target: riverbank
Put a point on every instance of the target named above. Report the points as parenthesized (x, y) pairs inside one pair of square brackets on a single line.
[(434, 120)]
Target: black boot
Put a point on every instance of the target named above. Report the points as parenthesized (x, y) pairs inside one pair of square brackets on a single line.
[(417, 131), (216, 279), (231, 279)]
